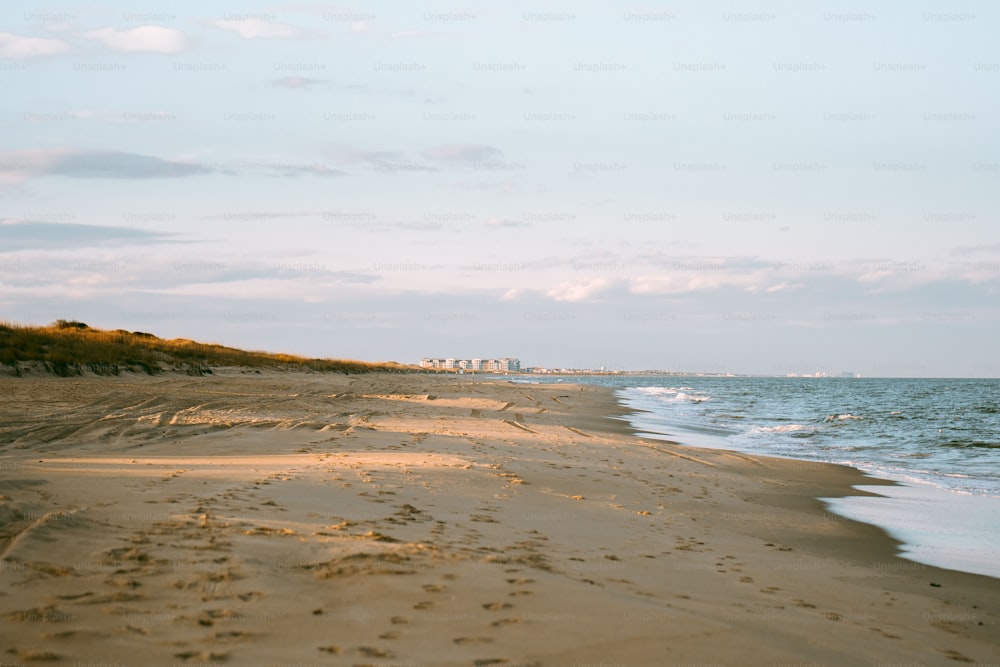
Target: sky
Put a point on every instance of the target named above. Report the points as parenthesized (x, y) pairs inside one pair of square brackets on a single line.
[(772, 187)]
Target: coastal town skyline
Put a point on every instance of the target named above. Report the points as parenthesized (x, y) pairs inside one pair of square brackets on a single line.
[(508, 365)]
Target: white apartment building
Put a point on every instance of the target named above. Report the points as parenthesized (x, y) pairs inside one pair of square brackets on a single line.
[(503, 365)]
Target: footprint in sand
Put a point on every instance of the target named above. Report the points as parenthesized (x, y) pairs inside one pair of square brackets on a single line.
[(35, 655), (203, 656)]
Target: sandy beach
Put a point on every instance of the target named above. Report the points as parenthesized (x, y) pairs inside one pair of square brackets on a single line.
[(265, 518)]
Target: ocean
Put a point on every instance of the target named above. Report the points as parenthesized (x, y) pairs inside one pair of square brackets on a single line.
[(940, 438)]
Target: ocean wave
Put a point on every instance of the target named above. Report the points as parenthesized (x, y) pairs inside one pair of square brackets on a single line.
[(843, 417), (785, 428), (963, 444), (901, 429), (674, 394), (658, 391)]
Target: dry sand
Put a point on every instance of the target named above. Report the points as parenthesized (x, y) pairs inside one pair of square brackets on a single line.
[(306, 519)]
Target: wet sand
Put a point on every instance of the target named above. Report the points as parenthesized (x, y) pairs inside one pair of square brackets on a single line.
[(280, 518)]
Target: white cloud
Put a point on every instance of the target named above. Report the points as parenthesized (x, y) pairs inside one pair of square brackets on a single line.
[(576, 291), (144, 39), (512, 294), (654, 285), (18, 46), (254, 28), (681, 282)]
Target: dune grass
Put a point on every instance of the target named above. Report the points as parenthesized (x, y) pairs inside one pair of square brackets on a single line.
[(71, 348)]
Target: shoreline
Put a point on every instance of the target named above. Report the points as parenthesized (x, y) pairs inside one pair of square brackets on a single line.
[(945, 541), (403, 519)]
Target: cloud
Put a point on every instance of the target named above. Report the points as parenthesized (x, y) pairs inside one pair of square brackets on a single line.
[(686, 274), (122, 116), (506, 222), (293, 170), (575, 291), (289, 285), (513, 294), (255, 28), (976, 249), (144, 39), (197, 272), (401, 35), (366, 222), (419, 226), (386, 162), (346, 155), (129, 166), (354, 19), (19, 166), (396, 161), (507, 186), (297, 82), (463, 153), (405, 34), (18, 46), (22, 235)]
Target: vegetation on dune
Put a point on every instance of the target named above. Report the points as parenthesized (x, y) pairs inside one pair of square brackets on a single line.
[(70, 348)]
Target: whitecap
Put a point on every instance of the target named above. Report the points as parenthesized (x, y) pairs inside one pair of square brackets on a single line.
[(843, 417)]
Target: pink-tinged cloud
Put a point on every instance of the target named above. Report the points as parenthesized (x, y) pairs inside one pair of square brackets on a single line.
[(17, 167), (18, 46), (144, 39), (576, 291), (513, 294)]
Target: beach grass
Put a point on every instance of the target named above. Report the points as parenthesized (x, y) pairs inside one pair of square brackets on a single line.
[(68, 347)]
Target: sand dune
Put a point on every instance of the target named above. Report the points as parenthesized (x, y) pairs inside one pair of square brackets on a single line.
[(389, 520)]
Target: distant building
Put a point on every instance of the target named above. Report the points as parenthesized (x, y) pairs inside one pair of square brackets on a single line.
[(510, 365), (504, 365)]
